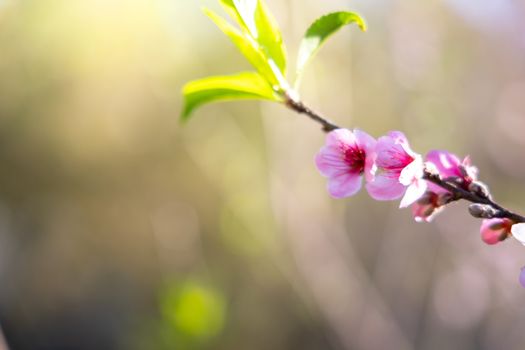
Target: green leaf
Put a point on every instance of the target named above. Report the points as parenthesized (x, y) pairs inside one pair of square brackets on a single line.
[(248, 47), (257, 21), (321, 30), (248, 85)]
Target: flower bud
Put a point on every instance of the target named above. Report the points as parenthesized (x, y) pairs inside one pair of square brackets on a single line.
[(423, 212), (427, 198), (495, 230), (480, 189), (482, 211), (427, 206)]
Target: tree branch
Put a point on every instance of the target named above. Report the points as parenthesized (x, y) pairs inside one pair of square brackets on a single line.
[(457, 191)]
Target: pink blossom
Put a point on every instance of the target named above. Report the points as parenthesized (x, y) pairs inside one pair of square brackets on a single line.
[(399, 171), (495, 230), (346, 156), (448, 165)]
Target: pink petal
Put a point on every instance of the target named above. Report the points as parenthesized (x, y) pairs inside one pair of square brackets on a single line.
[(398, 137), (383, 145), (413, 192), (446, 163), (365, 141), (518, 232), (385, 188), (339, 137), (330, 161), (390, 152), (401, 140), (344, 185)]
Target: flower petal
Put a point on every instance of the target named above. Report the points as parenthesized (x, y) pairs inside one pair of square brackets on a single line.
[(398, 137), (413, 192), (390, 152), (367, 142), (340, 137), (344, 185), (446, 163), (412, 172), (330, 161), (518, 232), (385, 188)]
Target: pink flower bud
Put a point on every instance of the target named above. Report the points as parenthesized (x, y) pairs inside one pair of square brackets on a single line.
[(429, 205), (423, 212), (495, 230), (423, 209)]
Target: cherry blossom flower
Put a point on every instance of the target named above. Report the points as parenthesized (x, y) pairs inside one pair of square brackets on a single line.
[(448, 165), (399, 171), (495, 230), (345, 158)]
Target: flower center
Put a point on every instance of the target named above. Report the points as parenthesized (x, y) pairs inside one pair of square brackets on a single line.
[(355, 158)]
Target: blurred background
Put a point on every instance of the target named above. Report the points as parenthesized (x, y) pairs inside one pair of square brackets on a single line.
[(122, 229)]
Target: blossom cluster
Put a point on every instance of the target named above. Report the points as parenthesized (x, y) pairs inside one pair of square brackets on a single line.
[(392, 170)]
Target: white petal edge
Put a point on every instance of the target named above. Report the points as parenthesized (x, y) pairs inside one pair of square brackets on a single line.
[(518, 232)]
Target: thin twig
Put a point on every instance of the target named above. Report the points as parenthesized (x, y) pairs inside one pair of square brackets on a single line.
[(300, 108)]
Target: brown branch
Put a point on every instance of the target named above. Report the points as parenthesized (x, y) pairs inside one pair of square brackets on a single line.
[(300, 108)]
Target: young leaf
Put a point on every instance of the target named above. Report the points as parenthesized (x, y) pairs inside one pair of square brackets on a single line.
[(248, 85), (321, 30), (270, 37), (248, 47), (257, 21)]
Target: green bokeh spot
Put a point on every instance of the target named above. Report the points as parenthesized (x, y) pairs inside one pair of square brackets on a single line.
[(195, 311)]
